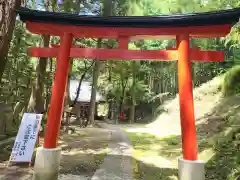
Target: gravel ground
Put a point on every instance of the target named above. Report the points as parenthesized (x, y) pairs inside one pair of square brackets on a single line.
[(82, 153)]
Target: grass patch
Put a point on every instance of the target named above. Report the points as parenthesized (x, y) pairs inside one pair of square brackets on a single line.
[(219, 142), (149, 144), (225, 164), (99, 158), (145, 171), (149, 150), (231, 85), (222, 157), (218, 138)]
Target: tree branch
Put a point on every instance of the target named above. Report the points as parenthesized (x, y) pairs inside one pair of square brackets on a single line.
[(80, 82)]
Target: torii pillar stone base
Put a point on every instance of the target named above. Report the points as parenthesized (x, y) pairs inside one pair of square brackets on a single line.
[(190, 170), (47, 164)]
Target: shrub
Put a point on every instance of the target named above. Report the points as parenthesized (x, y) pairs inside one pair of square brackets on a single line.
[(231, 82)]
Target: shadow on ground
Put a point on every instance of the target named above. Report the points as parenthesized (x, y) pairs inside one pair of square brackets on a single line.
[(169, 147), (221, 132), (145, 171), (218, 141), (82, 153), (141, 170)]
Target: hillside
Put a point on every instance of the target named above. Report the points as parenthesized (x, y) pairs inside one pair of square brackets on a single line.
[(218, 131), (206, 98)]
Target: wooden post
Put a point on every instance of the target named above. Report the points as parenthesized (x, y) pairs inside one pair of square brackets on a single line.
[(58, 91), (189, 142)]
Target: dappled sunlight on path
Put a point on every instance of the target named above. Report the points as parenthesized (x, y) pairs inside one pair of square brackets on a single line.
[(117, 164), (157, 145), (82, 153)]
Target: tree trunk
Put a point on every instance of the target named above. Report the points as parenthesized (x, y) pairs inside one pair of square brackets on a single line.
[(67, 97), (67, 109), (96, 71), (67, 101), (16, 112), (7, 23), (122, 97), (36, 102), (86, 69), (49, 83), (107, 11), (133, 91), (176, 78)]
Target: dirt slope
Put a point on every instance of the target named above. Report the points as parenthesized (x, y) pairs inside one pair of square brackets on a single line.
[(218, 129), (158, 145), (206, 97)]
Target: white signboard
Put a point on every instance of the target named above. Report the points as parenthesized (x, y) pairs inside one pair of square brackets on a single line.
[(26, 138)]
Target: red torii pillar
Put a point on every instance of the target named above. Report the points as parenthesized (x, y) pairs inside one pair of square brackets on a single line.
[(58, 91), (189, 167), (183, 53), (189, 140), (184, 27), (50, 152), (184, 76)]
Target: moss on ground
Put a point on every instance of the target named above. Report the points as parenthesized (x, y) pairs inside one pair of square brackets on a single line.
[(144, 143), (147, 148), (221, 152), (99, 158), (231, 82), (218, 130)]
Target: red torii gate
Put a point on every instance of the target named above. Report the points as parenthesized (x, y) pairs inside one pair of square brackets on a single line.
[(181, 27)]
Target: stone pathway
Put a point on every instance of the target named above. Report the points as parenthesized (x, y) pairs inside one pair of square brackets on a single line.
[(72, 177), (117, 164), (83, 152), (78, 154)]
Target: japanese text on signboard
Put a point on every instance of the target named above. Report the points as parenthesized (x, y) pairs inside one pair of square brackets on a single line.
[(26, 138)]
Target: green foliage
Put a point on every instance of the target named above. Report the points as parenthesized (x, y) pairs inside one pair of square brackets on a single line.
[(234, 37), (123, 80), (231, 82), (225, 164), (18, 72), (130, 82)]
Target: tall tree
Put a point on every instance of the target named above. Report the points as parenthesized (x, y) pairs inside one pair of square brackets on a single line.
[(7, 23), (133, 92), (36, 102), (107, 11)]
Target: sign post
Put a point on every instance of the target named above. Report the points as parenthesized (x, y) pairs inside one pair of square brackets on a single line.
[(26, 138)]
